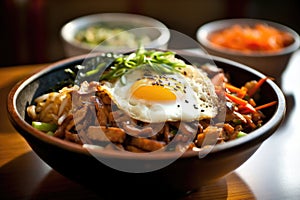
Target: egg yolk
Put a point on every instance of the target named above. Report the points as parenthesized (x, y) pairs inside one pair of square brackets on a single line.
[(149, 92)]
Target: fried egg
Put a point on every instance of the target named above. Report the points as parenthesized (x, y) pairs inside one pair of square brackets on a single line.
[(150, 97)]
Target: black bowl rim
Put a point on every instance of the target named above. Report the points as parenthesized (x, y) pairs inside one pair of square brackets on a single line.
[(203, 32), (255, 138)]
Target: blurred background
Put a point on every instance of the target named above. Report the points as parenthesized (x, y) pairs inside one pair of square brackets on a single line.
[(30, 29)]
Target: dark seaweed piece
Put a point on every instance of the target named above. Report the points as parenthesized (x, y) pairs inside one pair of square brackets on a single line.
[(90, 70)]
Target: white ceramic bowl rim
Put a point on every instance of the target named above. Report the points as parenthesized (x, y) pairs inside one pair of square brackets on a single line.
[(69, 29), (204, 30)]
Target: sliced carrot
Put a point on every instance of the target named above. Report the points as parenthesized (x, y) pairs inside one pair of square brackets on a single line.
[(252, 102), (259, 83), (243, 92), (232, 88), (247, 109), (236, 99), (244, 106), (266, 105), (240, 92)]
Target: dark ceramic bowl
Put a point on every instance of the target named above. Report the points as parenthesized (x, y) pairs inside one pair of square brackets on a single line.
[(187, 173)]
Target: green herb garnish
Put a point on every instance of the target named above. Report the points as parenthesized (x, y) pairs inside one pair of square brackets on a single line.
[(110, 66), (43, 126), (241, 134), (159, 61)]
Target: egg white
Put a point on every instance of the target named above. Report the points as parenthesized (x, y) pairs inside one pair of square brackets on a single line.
[(195, 96)]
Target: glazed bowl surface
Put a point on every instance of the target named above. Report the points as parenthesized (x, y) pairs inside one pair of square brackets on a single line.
[(187, 173)]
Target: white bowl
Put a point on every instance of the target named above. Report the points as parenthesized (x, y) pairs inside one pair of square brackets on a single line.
[(140, 25), (271, 64)]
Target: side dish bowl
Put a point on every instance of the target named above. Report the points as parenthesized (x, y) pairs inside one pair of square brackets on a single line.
[(129, 25), (185, 174), (270, 63)]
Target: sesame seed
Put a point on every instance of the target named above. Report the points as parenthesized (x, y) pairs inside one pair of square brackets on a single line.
[(186, 101)]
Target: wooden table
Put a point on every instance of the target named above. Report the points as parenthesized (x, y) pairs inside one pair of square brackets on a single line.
[(271, 173)]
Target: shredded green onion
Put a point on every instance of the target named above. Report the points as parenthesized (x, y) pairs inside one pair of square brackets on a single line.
[(159, 61), (45, 127), (110, 66), (95, 71), (241, 134)]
